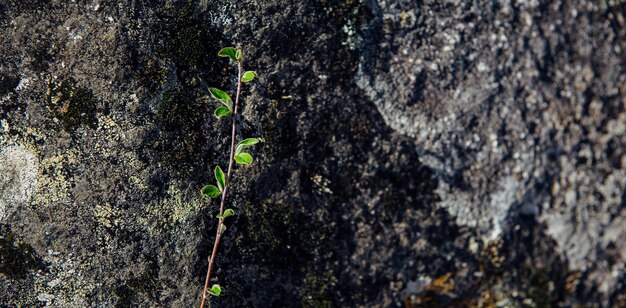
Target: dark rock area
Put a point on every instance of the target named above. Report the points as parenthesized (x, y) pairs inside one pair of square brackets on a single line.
[(414, 154)]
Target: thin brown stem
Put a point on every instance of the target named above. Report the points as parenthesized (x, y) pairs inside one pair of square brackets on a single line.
[(218, 235)]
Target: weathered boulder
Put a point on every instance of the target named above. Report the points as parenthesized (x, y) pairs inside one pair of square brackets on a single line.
[(519, 110), (433, 153)]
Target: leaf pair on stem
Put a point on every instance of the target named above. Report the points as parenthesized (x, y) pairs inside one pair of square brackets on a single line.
[(241, 158), (235, 55), (213, 191)]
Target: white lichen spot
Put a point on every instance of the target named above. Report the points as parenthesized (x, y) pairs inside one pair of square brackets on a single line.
[(4, 125), (482, 67), (18, 180), (321, 183), (23, 84)]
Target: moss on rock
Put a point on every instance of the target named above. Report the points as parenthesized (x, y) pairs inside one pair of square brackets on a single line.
[(187, 41), (151, 75), (74, 106), (180, 118), (176, 112), (17, 259), (7, 84)]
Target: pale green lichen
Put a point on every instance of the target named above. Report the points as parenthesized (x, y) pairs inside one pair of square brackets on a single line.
[(107, 216), (175, 209), (317, 289), (54, 183)]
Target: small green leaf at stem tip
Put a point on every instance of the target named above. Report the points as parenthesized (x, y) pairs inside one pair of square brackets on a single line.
[(222, 112), (248, 76), (228, 52), (227, 213), (215, 290), (238, 55), (222, 96), (221, 179), (248, 141), (244, 144), (211, 191), (243, 159)]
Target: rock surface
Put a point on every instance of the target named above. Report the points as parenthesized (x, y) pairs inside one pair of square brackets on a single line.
[(433, 153), (517, 107)]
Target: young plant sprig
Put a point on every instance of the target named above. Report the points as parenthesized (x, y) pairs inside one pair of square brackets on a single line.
[(238, 155)]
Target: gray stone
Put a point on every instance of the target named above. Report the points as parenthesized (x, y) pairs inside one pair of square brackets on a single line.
[(440, 152)]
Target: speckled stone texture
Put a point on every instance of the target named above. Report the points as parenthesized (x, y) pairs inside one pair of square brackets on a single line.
[(415, 153), (518, 107)]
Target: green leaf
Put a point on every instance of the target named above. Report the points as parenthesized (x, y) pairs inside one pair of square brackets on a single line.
[(244, 144), (215, 290), (222, 112), (221, 179), (227, 213), (219, 94), (228, 52), (238, 55), (243, 159), (248, 141), (222, 96), (211, 191), (248, 76)]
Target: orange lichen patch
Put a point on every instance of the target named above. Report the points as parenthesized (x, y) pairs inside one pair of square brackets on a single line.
[(442, 285), (436, 294), (491, 254), (621, 300), (571, 282), (65, 108), (486, 300)]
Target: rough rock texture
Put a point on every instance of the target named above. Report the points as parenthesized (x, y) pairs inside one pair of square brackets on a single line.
[(416, 153), (517, 107)]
